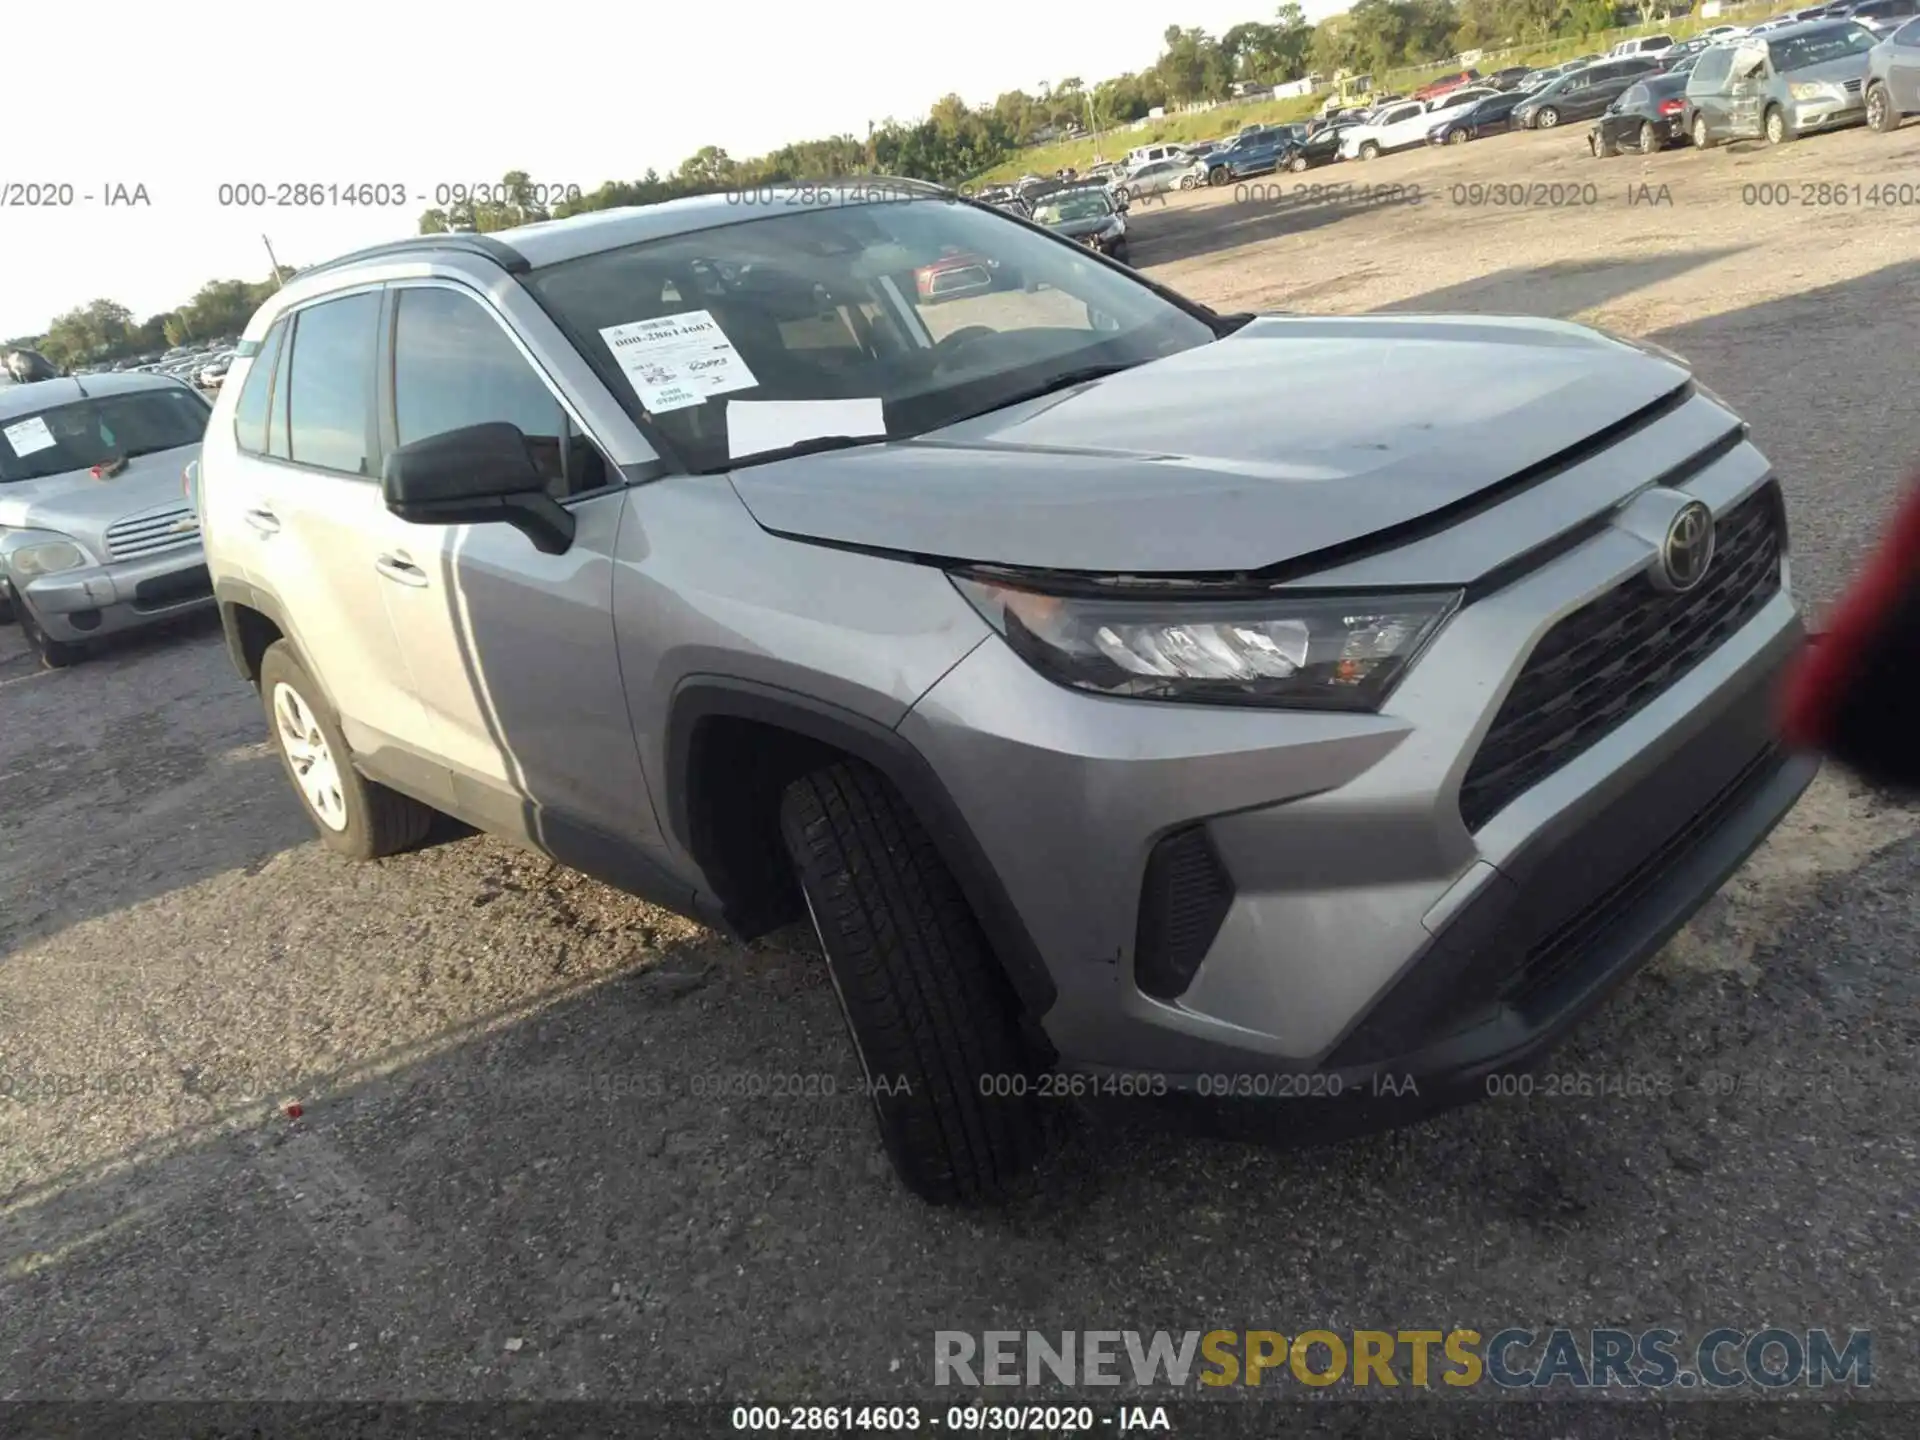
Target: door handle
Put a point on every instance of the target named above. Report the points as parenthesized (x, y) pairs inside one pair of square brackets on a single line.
[(265, 521), (401, 571)]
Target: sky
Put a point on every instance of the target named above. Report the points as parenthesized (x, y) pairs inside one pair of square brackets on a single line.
[(180, 100)]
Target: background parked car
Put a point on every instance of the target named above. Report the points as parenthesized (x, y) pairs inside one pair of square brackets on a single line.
[(1641, 45), (1781, 84), (1442, 84), (1893, 78), (1487, 116), (1649, 115), (1394, 128), (1509, 78), (1883, 17), (1322, 147), (1255, 155), (1085, 213), (1581, 94)]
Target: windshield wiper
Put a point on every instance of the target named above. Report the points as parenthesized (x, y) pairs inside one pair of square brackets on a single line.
[(1066, 379), (811, 446)]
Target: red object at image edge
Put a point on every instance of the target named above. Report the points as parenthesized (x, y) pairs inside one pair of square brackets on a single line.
[(1818, 685)]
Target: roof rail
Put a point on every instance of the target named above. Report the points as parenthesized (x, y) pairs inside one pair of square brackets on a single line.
[(461, 242), (930, 187)]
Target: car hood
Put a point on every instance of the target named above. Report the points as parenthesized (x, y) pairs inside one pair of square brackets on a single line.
[(1088, 226), (76, 504), (1291, 436)]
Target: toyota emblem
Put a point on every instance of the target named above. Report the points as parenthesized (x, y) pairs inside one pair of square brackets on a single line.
[(1688, 549)]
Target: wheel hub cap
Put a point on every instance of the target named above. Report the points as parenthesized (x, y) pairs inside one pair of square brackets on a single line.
[(309, 757)]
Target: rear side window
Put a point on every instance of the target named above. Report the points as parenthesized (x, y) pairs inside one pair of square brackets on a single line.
[(453, 366), (1908, 34), (330, 384), (1712, 69), (250, 414)]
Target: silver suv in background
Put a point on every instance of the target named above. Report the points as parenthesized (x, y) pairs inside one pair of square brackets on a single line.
[(97, 535), (1185, 704)]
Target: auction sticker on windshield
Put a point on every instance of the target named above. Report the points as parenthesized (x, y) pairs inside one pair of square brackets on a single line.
[(677, 360), (29, 435)]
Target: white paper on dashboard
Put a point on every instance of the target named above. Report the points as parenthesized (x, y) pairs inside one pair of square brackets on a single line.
[(677, 360), (29, 435), (757, 425)]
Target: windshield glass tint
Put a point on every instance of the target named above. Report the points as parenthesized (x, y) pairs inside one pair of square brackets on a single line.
[(86, 433), (1796, 52), (924, 311), (1084, 205)]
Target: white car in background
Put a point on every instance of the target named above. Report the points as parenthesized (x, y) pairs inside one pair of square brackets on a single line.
[(1404, 124)]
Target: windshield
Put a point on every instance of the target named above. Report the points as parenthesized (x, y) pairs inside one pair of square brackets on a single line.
[(1797, 52), (86, 433), (870, 320), (1076, 205)]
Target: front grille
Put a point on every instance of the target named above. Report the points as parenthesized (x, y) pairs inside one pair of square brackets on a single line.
[(1853, 87), (1603, 664), (152, 533)]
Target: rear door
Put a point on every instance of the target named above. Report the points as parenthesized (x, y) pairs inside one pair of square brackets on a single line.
[(313, 506)]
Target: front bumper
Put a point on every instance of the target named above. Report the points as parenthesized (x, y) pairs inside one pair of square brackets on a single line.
[(1829, 113), (1366, 930), (99, 600)]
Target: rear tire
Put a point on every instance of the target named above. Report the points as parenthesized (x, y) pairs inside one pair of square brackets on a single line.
[(1603, 148), (51, 653), (931, 1016), (372, 820), (1702, 136), (1649, 138)]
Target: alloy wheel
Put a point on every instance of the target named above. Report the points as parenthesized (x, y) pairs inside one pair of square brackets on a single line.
[(309, 756)]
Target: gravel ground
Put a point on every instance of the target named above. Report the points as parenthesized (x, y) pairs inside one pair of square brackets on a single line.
[(507, 1179)]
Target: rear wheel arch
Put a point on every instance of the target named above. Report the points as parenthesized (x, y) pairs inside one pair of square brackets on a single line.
[(733, 747)]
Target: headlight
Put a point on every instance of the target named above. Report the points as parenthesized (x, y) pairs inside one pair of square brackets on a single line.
[(1313, 652), (48, 558), (1808, 92)]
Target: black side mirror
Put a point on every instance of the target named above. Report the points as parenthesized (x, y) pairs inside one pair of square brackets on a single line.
[(478, 475)]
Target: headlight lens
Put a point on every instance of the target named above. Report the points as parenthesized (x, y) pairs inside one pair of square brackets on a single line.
[(1314, 652), (1807, 92), (49, 558)]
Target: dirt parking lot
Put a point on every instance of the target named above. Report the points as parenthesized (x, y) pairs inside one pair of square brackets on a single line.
[(513, 1176)]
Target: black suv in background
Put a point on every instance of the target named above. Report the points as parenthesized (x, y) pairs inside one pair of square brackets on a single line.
[(1471, 122)]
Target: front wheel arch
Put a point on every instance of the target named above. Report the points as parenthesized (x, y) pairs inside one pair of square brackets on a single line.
[(722, 806)]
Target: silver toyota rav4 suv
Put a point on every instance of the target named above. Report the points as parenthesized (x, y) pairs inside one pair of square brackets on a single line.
[(1179, 703)]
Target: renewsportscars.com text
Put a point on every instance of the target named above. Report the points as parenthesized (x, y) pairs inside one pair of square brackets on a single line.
[(1724, 1357)]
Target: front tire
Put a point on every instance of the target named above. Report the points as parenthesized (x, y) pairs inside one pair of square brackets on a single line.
[(1369, 151), (1882, 118), (355, 817), (932, 1018), (1458, 137), (1299, 165), (51, 653), (1779, 130), (1219, 176), (1547, 118)]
